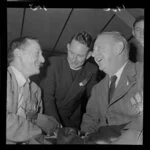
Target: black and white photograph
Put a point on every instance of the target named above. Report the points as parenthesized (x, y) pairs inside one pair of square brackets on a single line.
[(74, 75)]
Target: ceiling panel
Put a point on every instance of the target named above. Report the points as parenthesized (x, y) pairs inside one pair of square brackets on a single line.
[(14, 23), (136, 12), (45, 25), (90, 20), (118, 25)]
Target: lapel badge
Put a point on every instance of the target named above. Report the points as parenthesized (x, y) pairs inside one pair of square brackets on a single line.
[(127, 82), (83, 83)]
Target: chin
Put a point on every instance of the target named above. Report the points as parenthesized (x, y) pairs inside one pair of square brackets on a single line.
[(37, 72)]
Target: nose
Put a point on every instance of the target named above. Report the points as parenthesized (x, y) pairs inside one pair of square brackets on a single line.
[(42, 59), (97, 57), (95, 54)]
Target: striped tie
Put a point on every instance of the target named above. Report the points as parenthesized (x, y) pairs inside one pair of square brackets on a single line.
[(112, 88)]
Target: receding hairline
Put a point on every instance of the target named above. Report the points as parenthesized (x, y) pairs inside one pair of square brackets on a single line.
[(114, 36), (28, 42)]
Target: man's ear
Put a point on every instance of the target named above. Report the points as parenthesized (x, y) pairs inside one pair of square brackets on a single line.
[(133, 32), (89, 55), (17, 52), (119, 48)]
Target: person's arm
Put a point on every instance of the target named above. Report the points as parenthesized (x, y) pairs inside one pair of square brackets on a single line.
[(91, 120), (19, 129), (92, 82), (48, 85), (47, 123)]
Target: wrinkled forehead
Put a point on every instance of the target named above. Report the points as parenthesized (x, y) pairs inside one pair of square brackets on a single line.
[(103, 40), (78, 47), (32, 45)]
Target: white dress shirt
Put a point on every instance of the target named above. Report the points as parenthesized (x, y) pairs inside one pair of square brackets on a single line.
[(21, 82)]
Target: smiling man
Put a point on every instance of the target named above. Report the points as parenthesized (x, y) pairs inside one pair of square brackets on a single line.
[(24, 105), (111, 102)]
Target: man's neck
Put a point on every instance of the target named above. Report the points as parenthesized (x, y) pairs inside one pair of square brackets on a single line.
[(19, 68)]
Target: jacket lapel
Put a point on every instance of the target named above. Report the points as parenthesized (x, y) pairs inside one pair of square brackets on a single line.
[(74, 89), (127, 80), (14, 91), (102, 95), (105, 88)]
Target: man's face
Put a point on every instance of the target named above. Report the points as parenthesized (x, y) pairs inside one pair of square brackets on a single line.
[(138, 32), (31, 58), (77, 54), (103, 53)]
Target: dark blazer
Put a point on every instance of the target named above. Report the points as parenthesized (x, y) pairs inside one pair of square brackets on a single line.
[(64, 97), (119, 110)]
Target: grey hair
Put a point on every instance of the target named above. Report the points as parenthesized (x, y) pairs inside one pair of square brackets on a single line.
[(117, 36)]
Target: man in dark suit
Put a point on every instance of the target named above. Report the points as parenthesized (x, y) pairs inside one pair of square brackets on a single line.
[(111, 103), (69, 81)]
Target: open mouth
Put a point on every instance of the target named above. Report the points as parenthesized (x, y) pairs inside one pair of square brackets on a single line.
[(39, 65), (98, 60)]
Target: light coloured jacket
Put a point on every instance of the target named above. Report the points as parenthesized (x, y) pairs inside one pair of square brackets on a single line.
[(19, 128), (119, 110)]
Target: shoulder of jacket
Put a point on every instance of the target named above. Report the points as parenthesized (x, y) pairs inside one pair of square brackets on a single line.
[(97, 86), (92, 67)]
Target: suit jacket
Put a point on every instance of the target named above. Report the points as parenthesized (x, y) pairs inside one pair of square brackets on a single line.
[(136, 52), (63, 95), (119, 111), (19, 128)]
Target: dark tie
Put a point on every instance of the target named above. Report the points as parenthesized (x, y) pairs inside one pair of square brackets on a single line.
[(111, 88)]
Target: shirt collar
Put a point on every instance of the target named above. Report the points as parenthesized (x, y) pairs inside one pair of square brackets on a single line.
[(119, 72), (19, 77)]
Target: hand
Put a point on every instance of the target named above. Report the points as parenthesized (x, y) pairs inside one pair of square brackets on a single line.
[(83, 134), (31, 115)]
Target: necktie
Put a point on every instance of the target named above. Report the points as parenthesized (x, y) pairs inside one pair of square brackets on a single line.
[(27, 97), (24, 97), (111, 88)]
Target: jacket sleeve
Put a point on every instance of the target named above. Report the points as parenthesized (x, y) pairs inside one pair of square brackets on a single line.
[(47, 123), (17, 128), (91, 118), (48, 85), (92, 82), (137, 122)]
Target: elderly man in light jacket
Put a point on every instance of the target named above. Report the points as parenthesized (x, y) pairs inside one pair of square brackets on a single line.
[(24, 105)]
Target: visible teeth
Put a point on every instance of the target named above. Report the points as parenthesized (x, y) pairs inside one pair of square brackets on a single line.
[(99, 60)]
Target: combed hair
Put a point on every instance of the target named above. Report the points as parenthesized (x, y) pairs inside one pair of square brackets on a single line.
[(117, 36), (84, 38), (138, 19), (17, 43)]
